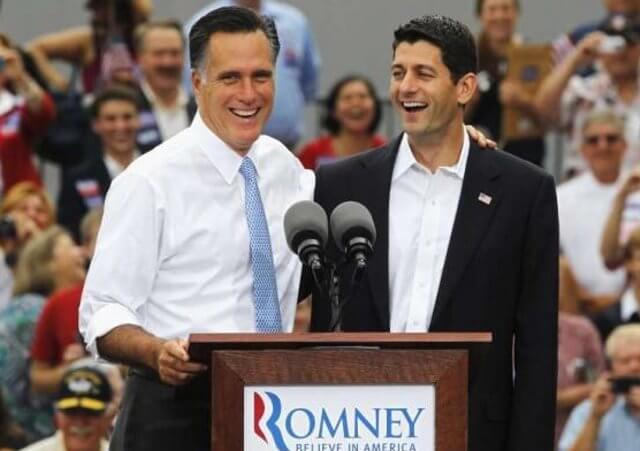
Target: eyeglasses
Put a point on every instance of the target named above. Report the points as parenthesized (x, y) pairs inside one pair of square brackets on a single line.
[(610, 138)]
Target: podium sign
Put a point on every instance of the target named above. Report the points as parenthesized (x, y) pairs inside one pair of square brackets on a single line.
[(339, 418), (309, 392)]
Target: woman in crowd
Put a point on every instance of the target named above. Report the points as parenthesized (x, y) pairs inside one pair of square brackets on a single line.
[(25, 211), (56, 340), (353, 113), (103, 51), (49, 262), (25, 113), (498, 20)]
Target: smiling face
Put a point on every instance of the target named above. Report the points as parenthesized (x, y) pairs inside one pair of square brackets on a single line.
[(235, 92), (604, 146), (117, 125), (498, 18), (161, 58), (423, 92), (355, 107), (82, 432)]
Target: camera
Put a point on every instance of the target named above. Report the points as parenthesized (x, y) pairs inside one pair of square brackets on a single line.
[(612, 44), (622, 385), (8, 229)]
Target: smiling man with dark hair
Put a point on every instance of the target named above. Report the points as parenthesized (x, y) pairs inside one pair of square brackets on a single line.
[(191, 239), (467, 239)]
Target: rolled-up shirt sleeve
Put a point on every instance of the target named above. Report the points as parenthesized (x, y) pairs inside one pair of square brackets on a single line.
[(126, 259)]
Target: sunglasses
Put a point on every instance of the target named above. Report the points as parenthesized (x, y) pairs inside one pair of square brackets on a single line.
[(610, 138)]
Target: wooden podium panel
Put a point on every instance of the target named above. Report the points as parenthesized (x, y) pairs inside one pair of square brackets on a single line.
[(241, 360)]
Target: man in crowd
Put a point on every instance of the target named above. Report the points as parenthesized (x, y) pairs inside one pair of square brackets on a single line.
[(82, 413), (115, 120), (166, 108), (583, 205), (191, 239), (26, 111), (565, 98), (610, 419), (467, 240), (297, 65), (566, 43)]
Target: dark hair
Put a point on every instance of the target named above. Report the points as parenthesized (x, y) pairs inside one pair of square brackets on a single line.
[(453, 38), (143, 29), (113, 92), (480, 5), (329, 121), (120, 22), (230, 19)]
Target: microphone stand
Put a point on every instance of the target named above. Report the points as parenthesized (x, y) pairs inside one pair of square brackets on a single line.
[(334, 298)]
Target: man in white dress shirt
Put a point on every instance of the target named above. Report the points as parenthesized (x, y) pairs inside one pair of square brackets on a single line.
[(180, 246), (466, 239), (583, 205)]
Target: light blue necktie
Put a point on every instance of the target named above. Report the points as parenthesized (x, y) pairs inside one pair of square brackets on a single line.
[(265, 290)]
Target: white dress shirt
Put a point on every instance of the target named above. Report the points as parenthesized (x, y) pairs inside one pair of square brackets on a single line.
[(422, 208), (583, 207), (170, 120), (172, 254), (628, 304)]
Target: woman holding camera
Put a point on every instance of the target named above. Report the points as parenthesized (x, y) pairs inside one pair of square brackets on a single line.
[(25, 113), (25, 211)]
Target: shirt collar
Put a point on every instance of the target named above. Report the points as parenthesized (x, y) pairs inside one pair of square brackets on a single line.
[(113, 167), (226, 160), (405, 159), (628, 304), (181, 100)]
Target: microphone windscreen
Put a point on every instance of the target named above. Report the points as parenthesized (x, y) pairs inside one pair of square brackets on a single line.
[(351, 219), (303, 220)]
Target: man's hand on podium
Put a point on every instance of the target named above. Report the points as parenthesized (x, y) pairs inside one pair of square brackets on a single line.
[(173, 363)]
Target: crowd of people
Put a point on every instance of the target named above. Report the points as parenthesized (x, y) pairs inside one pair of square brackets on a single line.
[(136, 82)]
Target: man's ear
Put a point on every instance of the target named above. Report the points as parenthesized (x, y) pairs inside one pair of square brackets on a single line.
[(466, 87), (196, 81)]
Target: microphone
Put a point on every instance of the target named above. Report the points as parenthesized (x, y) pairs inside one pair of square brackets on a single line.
[(354, 231), (306, 230)]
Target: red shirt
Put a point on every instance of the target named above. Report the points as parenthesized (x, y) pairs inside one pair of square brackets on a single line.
[(57, 326), (18, 128), (321, 151)]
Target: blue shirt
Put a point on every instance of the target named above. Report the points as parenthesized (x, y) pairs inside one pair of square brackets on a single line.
[(619, 428), (297, 68)]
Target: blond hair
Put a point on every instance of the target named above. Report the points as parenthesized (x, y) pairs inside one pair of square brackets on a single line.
[(21, 191), (89, 222), (33, 271), (604, 116), (621, 336)]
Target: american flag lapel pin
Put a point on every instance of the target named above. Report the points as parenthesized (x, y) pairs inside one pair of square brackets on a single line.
[(484, 198)]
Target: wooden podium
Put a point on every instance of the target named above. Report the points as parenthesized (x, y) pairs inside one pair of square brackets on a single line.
[(445, 361)]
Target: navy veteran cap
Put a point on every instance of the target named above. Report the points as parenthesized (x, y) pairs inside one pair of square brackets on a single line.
[(84, 389)]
